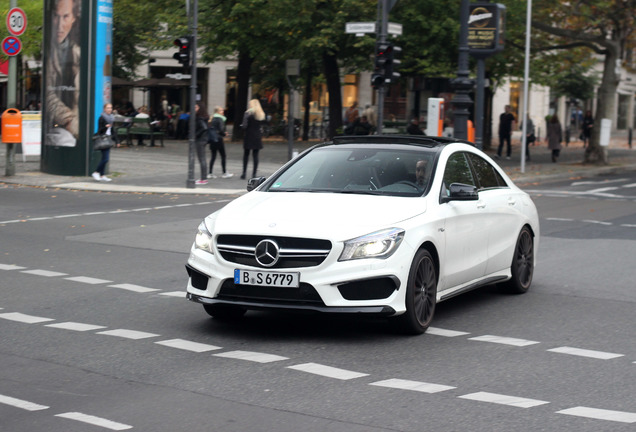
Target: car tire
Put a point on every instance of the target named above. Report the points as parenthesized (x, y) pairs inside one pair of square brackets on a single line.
[(421, 295), (224, 312), (522, 267)]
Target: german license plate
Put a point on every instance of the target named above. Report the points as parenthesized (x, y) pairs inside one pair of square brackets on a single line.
[(264, 278)]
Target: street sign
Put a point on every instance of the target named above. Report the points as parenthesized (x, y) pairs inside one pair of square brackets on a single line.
[(394, 29), (11, 46), (179, 76), (360, 27), (16, 21)]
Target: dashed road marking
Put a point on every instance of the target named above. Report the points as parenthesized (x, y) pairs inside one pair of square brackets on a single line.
[(23, 318), (75, 326), (443, 332), (128, 334), (418, 386), (10, 267), (327, 371), (504, 340), (95, 421), (19, 403), (173, 294), (188, 345), (46, 273), (503, 399), (134, 288), (600, 414), (252, 356), (88, 280), (586, 353)]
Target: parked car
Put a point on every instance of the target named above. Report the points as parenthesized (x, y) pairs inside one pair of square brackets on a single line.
[(386, 225)]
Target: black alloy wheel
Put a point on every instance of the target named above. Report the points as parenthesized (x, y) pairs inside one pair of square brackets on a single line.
[(421, 294), (522, 267)]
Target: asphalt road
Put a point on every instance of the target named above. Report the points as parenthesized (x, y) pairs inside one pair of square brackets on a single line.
[(95, 333)]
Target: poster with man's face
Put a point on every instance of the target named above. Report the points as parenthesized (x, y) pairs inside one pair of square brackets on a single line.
[(62, 83)]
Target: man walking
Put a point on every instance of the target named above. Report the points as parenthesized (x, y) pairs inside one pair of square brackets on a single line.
[(506, 123)]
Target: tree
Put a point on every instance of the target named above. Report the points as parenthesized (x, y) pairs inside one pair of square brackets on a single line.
[(604, 26)]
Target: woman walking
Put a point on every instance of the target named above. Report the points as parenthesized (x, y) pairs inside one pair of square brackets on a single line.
[(104, 127), (554, 137), (252, 141), (217, 132), (201, 138)]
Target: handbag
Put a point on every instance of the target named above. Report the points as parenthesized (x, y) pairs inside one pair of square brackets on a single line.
[(102, 142), (213, 135)]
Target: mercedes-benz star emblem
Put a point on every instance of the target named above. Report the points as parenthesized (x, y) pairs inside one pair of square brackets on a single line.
[(266, 253)]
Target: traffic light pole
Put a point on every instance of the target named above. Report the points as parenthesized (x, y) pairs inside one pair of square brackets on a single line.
[(190, 182), (383, 19)]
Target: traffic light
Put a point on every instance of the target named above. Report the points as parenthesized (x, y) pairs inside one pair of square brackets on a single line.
[(391, 63), (385, 62), (183, 56)]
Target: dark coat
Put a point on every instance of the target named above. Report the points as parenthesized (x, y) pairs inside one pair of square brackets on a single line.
[(201, 130), (252, 139)]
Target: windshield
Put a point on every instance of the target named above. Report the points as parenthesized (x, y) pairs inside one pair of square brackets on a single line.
[(361, 170)]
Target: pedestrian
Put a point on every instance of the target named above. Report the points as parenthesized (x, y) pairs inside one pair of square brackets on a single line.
[(554, 137), (506, 120), (104, 127), (530, 136), (201, 139), (142, 114), (588, 124), (362, 126), (252, 140), (414, 127), (215, 139)]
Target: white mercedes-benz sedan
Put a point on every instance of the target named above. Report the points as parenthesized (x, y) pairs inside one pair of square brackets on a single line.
[(385, 225)]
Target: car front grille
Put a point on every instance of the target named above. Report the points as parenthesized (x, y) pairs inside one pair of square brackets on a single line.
[(294, 251), (303, 295)]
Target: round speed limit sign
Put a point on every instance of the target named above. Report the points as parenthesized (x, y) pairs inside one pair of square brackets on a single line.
[(16, 21)]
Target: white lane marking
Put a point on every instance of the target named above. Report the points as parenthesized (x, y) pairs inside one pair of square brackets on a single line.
[(443, 332), (597, 222), (328, 371), (20, 317), (135, 288), (504, 340), (39, 218), (119, 211), (142, 209), (95, 421), (94, 213), (590, 182), (10, 267), (188, 345), (600, 414), (46, 273), (13, 221), (252, 356), (594, 191), (412, 385), (629, 225), (75, 326), (631, 185), (65, 216), (128, 334), (586, 353), (19, 403), (174, 294), (560, 219), (184, 205), (88, 280), (503, 399)]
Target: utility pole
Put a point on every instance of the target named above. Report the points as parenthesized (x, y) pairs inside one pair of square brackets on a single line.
[(462, 84), (193, 13), (383, 19), (12, 96)]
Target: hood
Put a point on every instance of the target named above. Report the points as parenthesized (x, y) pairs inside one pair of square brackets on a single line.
[(320, 215)]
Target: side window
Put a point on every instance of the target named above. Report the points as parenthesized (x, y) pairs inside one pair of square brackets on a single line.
[(457, 171), (487, 175)]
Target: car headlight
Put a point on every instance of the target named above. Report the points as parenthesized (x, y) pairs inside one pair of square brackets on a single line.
[(203, 239), (381, 244)]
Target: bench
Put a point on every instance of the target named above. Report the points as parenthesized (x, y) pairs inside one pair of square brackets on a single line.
[(143, 127)]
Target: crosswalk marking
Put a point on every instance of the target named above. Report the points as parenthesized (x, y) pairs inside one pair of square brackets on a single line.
[(600, 414), (412, 385), (75, 326), (328, 371), (128, 334), (503, 399), (585, 353), (443, 332), (23, 318), (88, 280), (46, 273), (10, 267), (134, 288)]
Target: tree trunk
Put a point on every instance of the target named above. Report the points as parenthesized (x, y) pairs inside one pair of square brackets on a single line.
[(240, 105), (605, 99), (332, 74)]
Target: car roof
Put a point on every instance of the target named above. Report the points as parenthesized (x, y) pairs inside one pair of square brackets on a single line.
[(422, 140)]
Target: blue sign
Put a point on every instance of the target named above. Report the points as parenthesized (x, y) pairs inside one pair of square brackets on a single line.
[(11, 45)]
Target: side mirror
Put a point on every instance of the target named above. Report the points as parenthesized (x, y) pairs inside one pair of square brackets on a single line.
[(461, 192), (255, 182)]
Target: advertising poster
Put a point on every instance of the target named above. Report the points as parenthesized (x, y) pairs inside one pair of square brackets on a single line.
[(62, 56), (103, 57)]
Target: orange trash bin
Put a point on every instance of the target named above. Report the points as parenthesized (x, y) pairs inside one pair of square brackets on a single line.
[(12, 126)]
